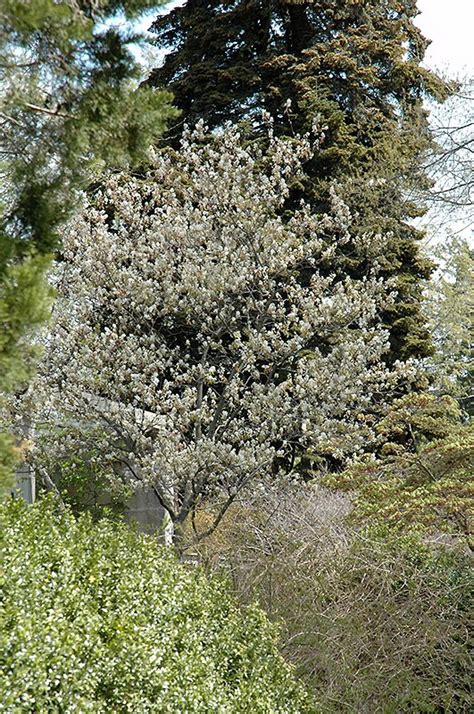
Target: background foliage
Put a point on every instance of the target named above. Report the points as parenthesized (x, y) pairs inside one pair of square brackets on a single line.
[(422, 478), (450, 308)]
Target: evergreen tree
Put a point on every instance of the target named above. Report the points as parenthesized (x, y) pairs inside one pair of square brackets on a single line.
[(24, 304), (422, 477), (68, 107), (354, 65), (450, 309)]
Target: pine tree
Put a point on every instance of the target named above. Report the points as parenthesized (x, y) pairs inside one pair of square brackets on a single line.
[(356, 67), (68, 108)]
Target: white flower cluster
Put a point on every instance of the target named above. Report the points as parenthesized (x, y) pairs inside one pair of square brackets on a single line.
[(199, 327)]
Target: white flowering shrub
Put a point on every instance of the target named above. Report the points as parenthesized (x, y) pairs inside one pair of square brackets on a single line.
[(199, 339), (98, 619)]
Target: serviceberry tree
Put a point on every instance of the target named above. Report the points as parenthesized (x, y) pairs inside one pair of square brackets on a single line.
[(196, 345)]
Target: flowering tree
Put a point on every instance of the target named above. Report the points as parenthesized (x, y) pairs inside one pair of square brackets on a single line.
[(200, 340)]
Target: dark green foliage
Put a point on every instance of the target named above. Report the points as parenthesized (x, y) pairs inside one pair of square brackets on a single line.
[(24, 304), (8, 461), (97, 619), (69, 107), (354, 66), (84, 487), (25, 299)]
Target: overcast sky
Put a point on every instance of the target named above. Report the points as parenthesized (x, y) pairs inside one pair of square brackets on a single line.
[(450, 26)]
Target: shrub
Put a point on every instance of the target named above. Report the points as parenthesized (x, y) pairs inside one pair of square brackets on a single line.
[(373, 622), (422, 479), (98, 619)]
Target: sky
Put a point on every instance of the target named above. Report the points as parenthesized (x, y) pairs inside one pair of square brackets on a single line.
[(450, 26)]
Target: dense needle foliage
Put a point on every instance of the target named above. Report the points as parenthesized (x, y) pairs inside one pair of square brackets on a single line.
[(357, 66)]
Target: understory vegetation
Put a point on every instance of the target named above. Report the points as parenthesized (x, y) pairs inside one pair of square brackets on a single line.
[(372, 620), (96, 618)]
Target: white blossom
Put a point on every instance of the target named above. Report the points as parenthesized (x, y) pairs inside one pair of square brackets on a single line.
[(198, 333)]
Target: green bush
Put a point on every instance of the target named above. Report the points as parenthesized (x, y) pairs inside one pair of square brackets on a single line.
[(96, 618), (422, 479)]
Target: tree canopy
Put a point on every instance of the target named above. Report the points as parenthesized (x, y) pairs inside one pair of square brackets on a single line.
[(355, 67), (68, 108), (196, 335), (422, 478), (450, 307), (211, 326)]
